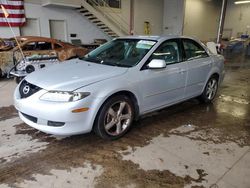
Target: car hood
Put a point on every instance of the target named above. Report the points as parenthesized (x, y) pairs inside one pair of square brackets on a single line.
[(73, 74)]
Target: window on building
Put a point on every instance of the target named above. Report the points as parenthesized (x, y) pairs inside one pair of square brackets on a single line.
[(111, 3)]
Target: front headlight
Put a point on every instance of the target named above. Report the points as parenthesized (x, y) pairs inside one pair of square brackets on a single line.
[(63, 96)]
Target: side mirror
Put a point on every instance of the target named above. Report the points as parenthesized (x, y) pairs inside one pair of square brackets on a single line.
[(157, 64)]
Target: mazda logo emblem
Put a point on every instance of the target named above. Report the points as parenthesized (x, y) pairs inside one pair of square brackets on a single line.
[(26, 89)]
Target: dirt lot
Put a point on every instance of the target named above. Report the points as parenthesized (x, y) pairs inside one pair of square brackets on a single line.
[(187, 145)]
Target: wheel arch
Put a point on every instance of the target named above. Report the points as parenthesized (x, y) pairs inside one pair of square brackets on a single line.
[(216, 75), (202, 97), (127, 93), (213, 74)]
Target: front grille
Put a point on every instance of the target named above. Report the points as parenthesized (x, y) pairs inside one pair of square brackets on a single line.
[(31, 118), (27, 89)]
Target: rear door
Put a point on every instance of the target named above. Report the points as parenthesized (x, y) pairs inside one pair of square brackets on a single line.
[(198, 66)]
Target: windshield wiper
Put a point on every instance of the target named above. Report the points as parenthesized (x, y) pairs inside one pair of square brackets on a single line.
[(99, 61), (114, 64), (122, 65), (91, 59), (108, 63)]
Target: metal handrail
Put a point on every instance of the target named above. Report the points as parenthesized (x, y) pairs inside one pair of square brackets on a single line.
[(111, 9), (96, 4), (109, 16)]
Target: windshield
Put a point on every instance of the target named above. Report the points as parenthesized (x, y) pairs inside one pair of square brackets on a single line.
[(120, 52)]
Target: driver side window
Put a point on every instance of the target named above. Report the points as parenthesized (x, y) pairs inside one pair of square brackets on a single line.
[(168, 51)]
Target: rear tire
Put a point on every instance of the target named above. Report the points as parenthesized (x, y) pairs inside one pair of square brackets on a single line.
[(114, 118), (210, 90)]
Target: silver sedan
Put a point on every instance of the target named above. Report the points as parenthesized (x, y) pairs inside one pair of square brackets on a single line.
[(116, 83)]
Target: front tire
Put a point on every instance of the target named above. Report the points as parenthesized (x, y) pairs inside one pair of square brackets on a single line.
[(210, 90), (114, 118)]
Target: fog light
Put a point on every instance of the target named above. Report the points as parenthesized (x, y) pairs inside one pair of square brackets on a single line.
[(55, 123), (80, 110)]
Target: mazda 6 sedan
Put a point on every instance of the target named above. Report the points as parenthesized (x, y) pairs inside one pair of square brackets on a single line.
[(112, 86)]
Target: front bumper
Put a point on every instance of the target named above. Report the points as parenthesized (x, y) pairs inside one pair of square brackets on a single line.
[(39, 114)]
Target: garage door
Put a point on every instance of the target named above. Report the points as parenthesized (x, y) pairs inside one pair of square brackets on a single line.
[(58, 29), (31, 28)]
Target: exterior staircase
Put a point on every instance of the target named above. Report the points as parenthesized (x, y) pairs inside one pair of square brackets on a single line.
[(110, 25)]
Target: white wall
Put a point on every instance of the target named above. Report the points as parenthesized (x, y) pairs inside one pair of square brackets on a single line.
[(71, 3), (76, 23), (144, 10), (173, 16), (5, 32), (33, 1), (151, 11), (237, 18), (202, 19), (121, 16)]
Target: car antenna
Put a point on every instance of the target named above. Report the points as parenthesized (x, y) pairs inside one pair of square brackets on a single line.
[(6, 15)]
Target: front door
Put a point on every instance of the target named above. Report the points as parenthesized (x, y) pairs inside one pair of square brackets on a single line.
[(162, 87)]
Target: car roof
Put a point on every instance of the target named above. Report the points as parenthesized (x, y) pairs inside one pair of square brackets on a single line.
[(26, 39), (35, 38), (156, 37)]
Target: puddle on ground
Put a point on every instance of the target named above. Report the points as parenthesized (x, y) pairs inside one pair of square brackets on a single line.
[(4, 186), (185, 156), (73, 177), (184, 129), (7, 88), (7, 112), (228, 98), (14, 145), (235, 110)]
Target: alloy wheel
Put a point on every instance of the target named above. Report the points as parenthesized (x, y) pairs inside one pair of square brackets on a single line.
[(211, 89), (118, 118)]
